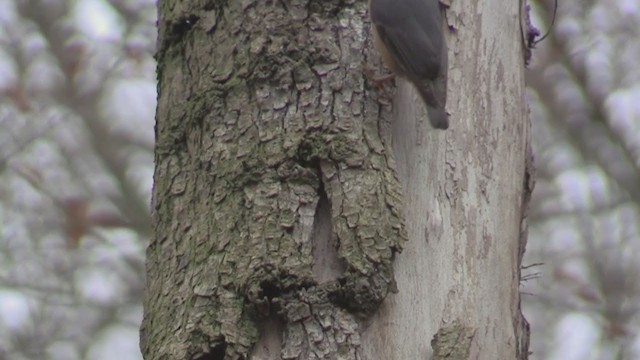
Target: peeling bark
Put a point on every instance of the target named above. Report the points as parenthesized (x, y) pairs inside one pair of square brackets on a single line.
[(264, 115), (452, 342)]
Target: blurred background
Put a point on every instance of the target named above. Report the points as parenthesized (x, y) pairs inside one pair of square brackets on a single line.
[(77, 104), (581, 289)]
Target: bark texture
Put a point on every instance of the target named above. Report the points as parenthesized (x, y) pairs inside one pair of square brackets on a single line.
[(466, 194), (263, 116)]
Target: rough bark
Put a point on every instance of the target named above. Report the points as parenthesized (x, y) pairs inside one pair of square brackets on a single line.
[(268, 134)]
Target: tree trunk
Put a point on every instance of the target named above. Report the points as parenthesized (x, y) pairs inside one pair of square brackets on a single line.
[(277, 208), (466, 194)]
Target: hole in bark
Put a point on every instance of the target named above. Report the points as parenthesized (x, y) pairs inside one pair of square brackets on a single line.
[(215, 353), (184, 24), (270, 290), (327, 266)]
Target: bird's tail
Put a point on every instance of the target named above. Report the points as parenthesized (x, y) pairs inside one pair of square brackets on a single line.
[(438, 117), (435, 107)]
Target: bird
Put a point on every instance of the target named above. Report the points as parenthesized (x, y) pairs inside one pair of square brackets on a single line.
[(408, 35)]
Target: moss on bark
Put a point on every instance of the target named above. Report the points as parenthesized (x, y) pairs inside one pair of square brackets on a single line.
[(263, 109)]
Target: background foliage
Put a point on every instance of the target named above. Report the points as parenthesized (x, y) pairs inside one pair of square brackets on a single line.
[(584, 93)]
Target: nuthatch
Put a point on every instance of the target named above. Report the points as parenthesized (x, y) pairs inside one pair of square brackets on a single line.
[(408, 35)]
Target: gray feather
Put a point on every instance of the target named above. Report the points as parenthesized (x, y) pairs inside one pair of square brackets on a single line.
[(412, 31)]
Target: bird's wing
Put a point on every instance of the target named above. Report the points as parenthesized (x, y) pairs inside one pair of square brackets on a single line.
[(411, 32)]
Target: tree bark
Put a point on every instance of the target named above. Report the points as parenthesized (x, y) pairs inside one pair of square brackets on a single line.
[(466, 195), (277, 208), (264, 122)]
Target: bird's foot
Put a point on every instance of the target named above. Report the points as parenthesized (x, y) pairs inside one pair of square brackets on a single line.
[(380, 81)]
